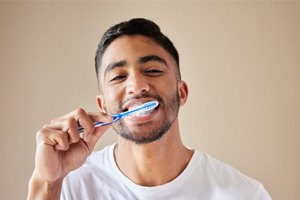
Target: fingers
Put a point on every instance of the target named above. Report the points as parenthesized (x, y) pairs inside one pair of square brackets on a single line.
[(73, 130), (100, 117), (84, 120), (63, 131), (56, 138), (99, 131)]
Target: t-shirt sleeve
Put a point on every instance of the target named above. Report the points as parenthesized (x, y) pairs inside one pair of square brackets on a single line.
[(263, 194)]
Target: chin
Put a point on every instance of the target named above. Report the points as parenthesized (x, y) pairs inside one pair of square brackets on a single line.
[(143, 133)]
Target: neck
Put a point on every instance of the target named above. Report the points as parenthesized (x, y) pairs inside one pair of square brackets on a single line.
[(155, 163)]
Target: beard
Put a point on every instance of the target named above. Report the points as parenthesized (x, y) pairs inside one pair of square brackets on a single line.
[(149, 131)]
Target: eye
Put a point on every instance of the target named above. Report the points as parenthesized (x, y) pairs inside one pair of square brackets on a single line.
[(117, 78), (153, 72)]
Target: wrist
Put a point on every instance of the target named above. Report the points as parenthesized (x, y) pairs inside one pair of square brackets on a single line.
[(41, 189)]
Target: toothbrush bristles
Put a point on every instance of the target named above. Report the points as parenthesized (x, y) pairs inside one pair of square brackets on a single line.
[(140, 109)]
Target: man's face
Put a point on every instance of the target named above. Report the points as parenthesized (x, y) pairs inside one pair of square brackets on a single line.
[(135, 70)]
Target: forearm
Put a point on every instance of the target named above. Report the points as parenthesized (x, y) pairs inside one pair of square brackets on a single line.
[(42, 190)]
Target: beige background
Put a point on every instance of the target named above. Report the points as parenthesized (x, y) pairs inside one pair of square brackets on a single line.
[(240, 59)]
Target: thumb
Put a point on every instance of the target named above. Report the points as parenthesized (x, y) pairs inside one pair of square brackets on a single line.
[(96, 135)]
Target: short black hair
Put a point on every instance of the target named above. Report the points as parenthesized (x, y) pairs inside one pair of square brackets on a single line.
[(136, 26)]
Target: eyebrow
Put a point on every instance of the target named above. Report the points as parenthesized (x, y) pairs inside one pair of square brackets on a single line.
[(114, 65), (141, 60), (148, 58)]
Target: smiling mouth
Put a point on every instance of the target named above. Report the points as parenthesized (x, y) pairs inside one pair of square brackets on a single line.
[(140, 113), (134, 104)]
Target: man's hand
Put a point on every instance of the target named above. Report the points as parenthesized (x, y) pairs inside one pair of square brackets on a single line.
[(60, 149)]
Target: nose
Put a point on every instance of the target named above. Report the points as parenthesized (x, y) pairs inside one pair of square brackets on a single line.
[(137, 84)]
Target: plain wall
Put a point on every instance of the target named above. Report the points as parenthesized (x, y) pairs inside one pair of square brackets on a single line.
[(240, 60)]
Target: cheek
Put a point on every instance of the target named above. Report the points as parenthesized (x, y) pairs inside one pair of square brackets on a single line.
[(113, 99), (167, 87)]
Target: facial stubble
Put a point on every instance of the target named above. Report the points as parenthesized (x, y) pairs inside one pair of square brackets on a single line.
[(150, 131)]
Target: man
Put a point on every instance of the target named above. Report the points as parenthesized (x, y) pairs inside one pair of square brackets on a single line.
[(135, 63)]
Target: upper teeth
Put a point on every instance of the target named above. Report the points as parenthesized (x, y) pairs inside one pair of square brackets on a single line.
[(133, 107), (139, 112)]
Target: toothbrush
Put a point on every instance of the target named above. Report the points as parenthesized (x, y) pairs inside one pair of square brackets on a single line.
[(116, 117)]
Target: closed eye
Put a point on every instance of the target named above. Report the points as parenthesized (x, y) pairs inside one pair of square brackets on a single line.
[(118, 78), (154, 72)]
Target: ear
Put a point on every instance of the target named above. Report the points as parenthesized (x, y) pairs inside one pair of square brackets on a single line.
[(183, 92), (100, 102)]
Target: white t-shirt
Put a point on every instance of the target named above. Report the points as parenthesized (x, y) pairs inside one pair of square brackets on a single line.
[(205, 178)]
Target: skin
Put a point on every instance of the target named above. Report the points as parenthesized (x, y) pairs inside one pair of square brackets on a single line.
[(125, 81)]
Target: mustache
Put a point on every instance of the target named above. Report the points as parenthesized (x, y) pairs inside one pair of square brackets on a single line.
[(142, 96)]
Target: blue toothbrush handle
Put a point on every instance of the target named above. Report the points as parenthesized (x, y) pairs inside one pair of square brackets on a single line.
[(117, 117), (97, 124)]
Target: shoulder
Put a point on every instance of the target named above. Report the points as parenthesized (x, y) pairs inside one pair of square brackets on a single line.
[(225, 179)]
